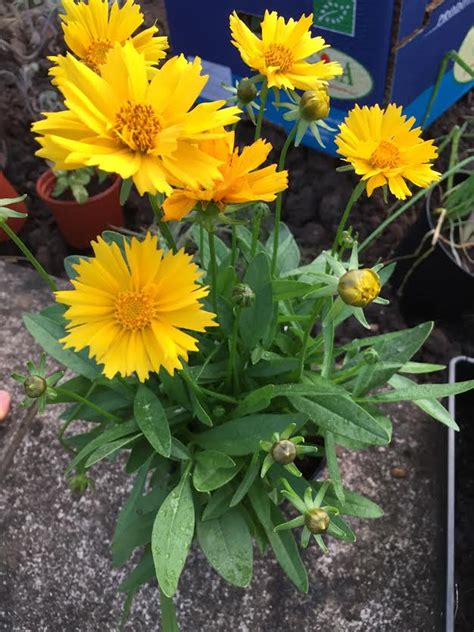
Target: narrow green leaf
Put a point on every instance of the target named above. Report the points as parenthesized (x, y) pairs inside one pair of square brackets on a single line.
[(421, 367), (227, 544), (420, 391), (173, 532), (125, 189), (152, 421), (246, 483), (333, 466), (207, 477), (108, 449), (143, 572), (218, 503)]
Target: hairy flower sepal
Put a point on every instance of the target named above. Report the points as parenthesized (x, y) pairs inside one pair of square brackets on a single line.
[(39, 387), (308, 112), (244, 94), (284, 449), (314, 517)]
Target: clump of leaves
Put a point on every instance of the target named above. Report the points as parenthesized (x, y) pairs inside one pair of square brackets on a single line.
[(76, 182)]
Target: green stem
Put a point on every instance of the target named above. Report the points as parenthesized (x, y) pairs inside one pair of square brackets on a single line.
[(163, 226), (410, 203), (201, 245), (30, 256), (355, 195), (256, 223), (213, 262), (233, 258), (234, 378), (221, 396), (82, 400), (306, 337), (342, 376), (279, 201), (453, 157), (169, 622), (263, 102)]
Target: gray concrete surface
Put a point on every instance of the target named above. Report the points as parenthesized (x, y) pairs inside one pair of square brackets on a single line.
[(55, 571)]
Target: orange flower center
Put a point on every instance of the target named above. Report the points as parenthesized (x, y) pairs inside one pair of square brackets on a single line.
[(135, 309), (96, 54), (385, 156), (136, 125), (279, 56)]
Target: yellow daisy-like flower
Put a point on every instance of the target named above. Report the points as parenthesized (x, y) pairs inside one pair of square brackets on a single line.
[(241, 179), (130, 309), (123, 123), (281, 54), (92, 29), (383, 148)]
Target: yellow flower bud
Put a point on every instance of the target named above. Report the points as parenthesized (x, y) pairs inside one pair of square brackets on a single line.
[(317, 521), (284, 452), (314, 104), (246, 90), (359, 287)]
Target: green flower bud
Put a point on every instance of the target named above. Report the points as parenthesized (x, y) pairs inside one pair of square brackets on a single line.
[(316, 521), (347, 240), (359, 287), (370, 356), (243, 295), (35, 386), (80, 483), (218, 411), (314, 104), (246, 91), (284, 452)]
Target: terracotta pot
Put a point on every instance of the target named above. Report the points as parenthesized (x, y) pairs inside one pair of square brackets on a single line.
[(81, 223), (8, 191)]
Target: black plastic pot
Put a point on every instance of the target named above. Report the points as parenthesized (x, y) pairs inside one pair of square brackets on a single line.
[(459, 610), (437, 287)]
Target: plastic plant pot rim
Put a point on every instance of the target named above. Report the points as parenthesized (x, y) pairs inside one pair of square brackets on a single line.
[(451, 593), (440, 243)]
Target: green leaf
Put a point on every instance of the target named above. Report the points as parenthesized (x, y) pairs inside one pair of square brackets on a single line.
[(141, 451), (69, 265), (116, 432), (333, 466), (342, 416), (285, 289), (256, 319), (429, 406), (125, 189), (339, 529), (143, 572), (179, 450), (79, 193), (173, 532), (419, 391), (47, 333), (152, 421), (241, 436), (213, 469), (227, 544), (421, 367), (218, 503), (288, 252), (282, 542), (251, 473), (108, 449), (199, 410)]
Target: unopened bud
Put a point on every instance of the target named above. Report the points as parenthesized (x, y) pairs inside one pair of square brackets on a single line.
[(317, 521), (35, 386), (246, 91), (284, 452), (347, 240), (218, 411), (314, 104), (359, 287), (370, 356), (243, 295)]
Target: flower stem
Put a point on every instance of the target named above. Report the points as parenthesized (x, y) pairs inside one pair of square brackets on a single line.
[(213, 265), (233, 375), (355, 195), (279, 201), (82, 400), (234, 246), (163, 226), (169, 622), (261, 110), (30, 256), (256, 223), (306, 337)]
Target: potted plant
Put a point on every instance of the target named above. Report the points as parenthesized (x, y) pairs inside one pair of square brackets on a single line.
[(214, 388), (84, 202)]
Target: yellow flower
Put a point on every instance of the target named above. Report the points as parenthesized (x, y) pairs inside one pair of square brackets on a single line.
[(92, 29), (240, 179), (122, 123), (282, 52), (130, 308), (383, 148)]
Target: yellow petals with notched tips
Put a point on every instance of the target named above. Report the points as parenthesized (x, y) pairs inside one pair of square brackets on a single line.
[(91, 29), (120, 122), (130, 308), (281, 53), (384, 149), (359, 287), (241, 179)]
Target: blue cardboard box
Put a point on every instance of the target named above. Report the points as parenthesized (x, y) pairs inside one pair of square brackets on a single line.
[(390, 50)]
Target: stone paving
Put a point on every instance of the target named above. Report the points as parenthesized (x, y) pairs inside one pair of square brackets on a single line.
[(55, 570)]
